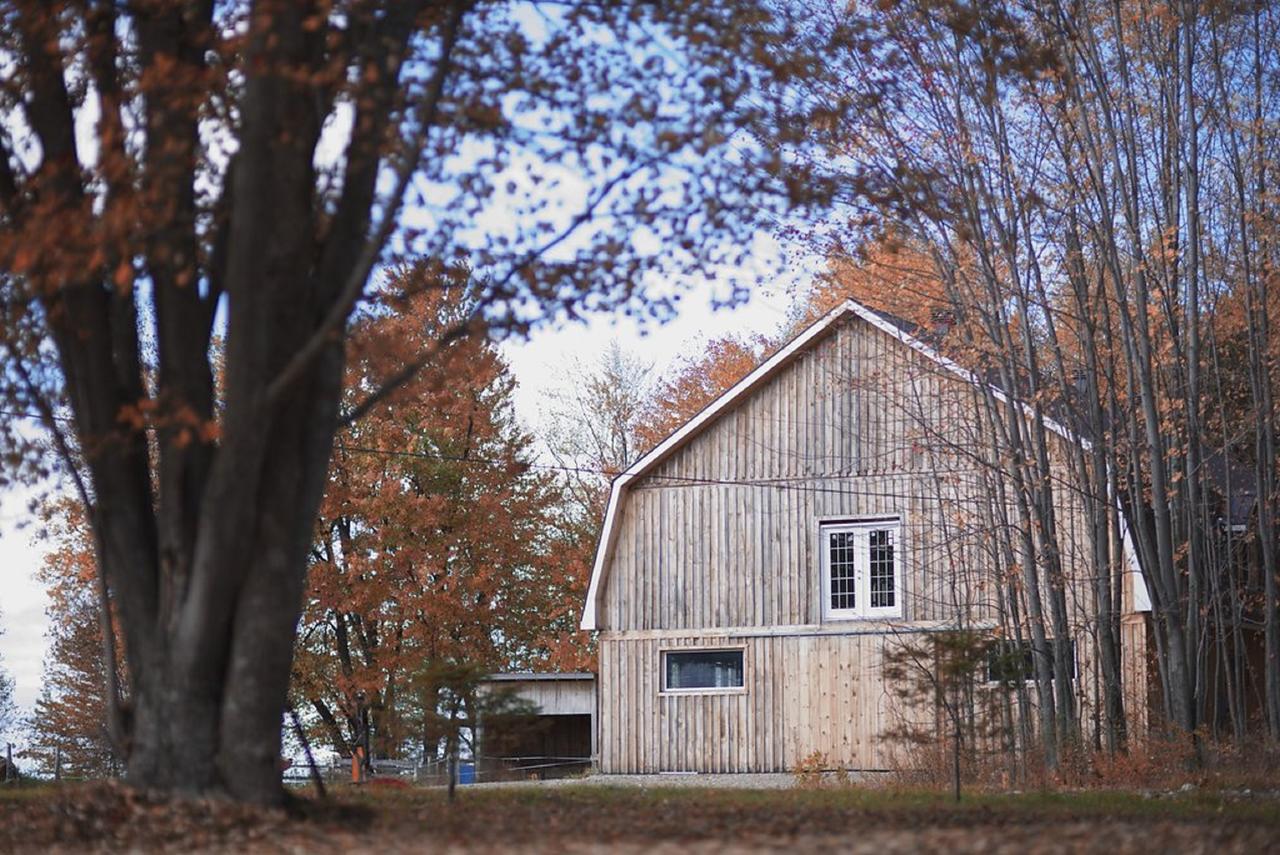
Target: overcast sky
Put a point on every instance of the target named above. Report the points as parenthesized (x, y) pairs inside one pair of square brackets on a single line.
[(22, 600), (539, 365)]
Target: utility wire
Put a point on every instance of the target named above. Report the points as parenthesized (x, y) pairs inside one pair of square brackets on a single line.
[(787, 484)]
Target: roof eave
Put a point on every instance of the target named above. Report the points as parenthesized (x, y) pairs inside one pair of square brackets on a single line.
[(690, 429)]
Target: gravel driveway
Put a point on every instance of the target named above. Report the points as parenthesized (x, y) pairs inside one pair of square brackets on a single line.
[(754, 781)]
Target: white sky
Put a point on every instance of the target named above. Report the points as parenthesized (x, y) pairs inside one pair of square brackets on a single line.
[(22, 599), (539, 365)]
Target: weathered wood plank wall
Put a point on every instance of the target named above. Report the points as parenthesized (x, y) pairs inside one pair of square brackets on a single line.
[(802, 694), (552, 697), (725, 532), (719, 546)]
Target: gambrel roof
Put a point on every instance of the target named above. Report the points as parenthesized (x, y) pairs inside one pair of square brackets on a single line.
[(739, 391)]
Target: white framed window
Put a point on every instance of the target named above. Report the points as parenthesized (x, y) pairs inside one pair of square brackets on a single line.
[(861, 569), (702, 670)]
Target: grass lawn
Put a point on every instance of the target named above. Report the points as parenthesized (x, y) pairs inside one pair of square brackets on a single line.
[(628, 819)]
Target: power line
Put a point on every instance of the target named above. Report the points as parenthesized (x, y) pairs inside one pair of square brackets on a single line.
[(14, 414), (792, 484), (459, 458), (787, 484)]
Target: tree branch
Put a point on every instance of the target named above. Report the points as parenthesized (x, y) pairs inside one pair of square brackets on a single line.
[(460, 330), (358, 276)]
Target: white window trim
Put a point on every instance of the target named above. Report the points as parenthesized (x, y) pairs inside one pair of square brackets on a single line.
[(1031, 677), (862, 597), (711, 690)]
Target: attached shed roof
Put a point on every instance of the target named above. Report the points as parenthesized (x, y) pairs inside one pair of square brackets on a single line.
[(894, 327), (530, 676)]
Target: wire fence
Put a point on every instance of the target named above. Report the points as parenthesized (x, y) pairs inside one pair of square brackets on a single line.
[(435, 772)]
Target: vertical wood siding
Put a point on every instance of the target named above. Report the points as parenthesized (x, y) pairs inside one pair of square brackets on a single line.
[(719, 546), (725, 532), (806, 694)]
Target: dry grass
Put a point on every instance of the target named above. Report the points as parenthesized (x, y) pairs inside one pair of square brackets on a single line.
[(598, 818), (1162, 763)]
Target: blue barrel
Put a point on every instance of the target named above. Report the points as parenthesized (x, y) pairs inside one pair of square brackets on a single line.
[(466, 773)]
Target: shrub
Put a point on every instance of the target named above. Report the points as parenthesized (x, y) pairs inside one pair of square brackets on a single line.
[(808, 772)]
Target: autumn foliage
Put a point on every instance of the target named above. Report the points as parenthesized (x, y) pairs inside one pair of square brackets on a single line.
[(886, 273), (439, 545), (200, 186), (695, 381), (68, 730)]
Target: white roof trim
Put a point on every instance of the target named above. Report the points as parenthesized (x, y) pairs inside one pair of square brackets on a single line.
[(609, 532), (743, 387), (1141, 594)]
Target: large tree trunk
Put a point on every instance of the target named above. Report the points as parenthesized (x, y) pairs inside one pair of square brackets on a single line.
[(204, 518), (199, 728)]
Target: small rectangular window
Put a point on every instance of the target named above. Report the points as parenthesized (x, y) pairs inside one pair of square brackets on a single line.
[(861, 569), (702, 669), (1014, 661)]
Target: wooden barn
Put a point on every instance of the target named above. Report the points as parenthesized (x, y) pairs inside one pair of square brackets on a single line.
[(755, 567)]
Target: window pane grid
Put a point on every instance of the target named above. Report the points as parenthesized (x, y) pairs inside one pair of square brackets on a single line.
[(881, 569), (844, 574), (860, 569)]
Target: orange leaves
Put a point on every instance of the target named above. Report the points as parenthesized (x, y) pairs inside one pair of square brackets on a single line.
[(137, 416), (71, 710), (696, 381), (437, 541), (887, 275), (208, 431), (23, 259), (123, 276), (180, 423), (56, 240)]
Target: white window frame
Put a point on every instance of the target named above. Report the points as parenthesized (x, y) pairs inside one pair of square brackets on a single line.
[(703, 690), (861, 529)]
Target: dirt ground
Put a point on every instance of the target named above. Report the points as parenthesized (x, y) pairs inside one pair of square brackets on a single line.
[(665, 820)]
